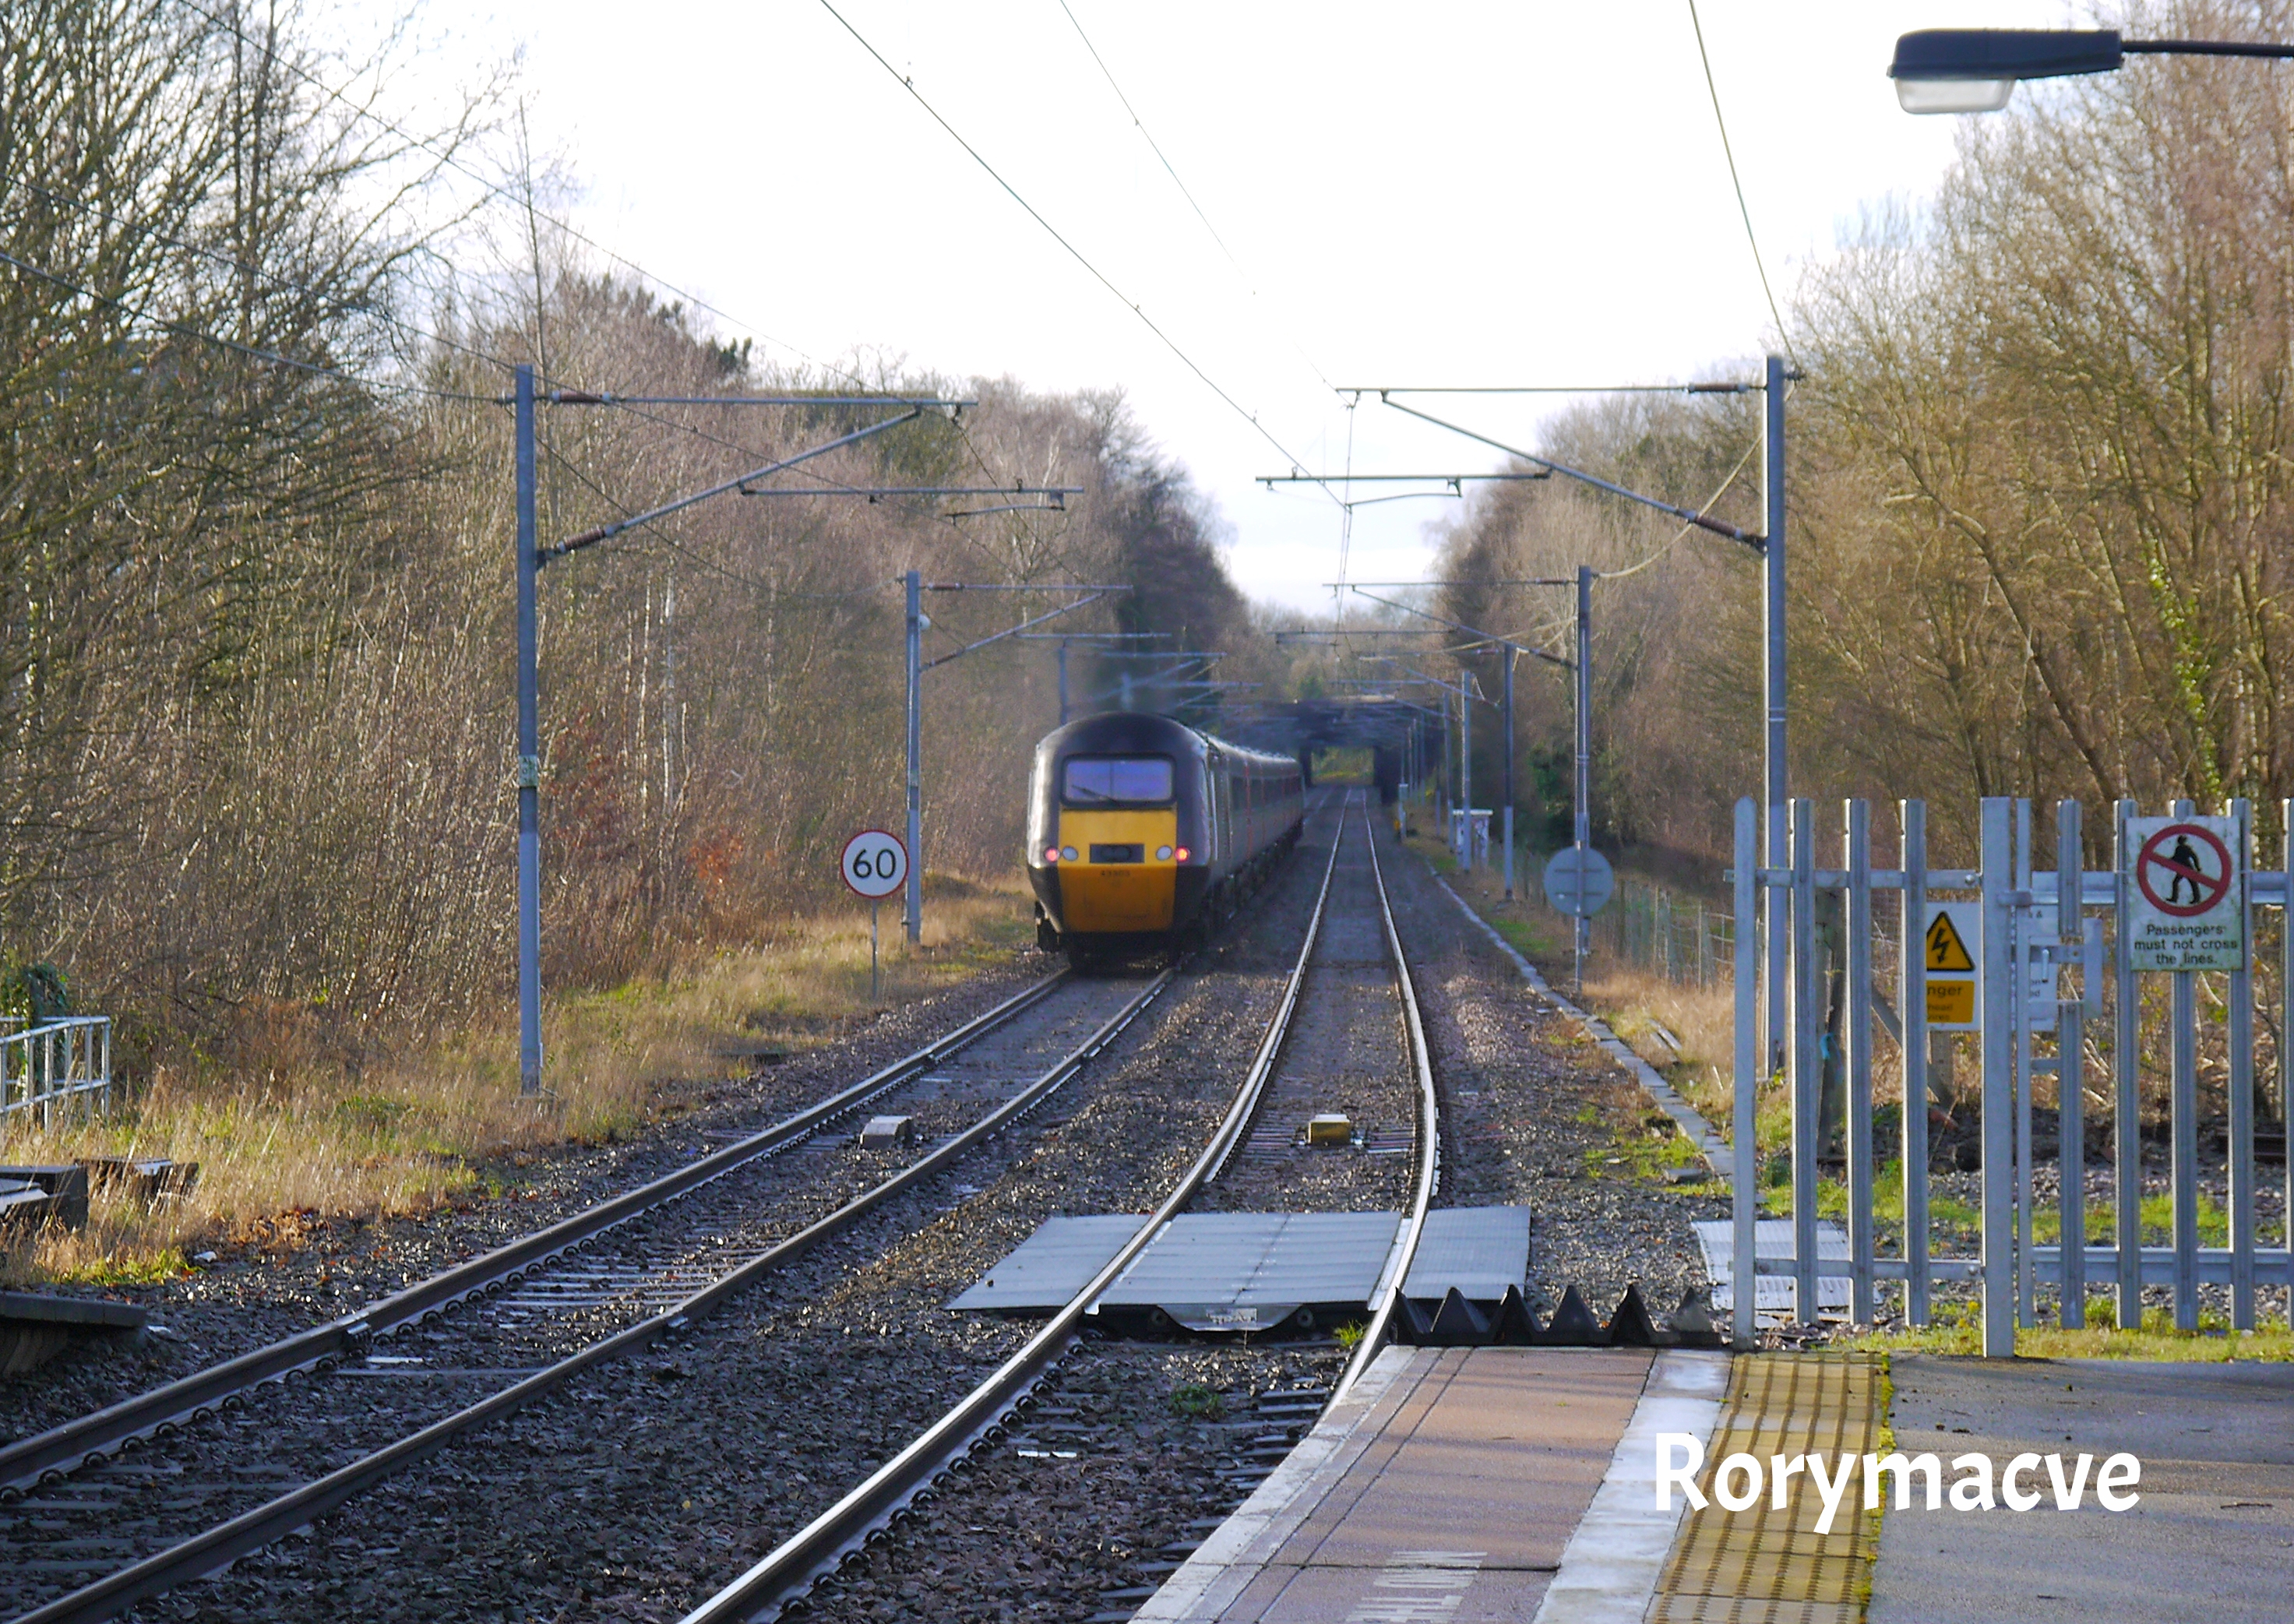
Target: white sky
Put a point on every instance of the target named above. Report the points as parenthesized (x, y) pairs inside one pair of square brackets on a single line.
[(1417, 193)]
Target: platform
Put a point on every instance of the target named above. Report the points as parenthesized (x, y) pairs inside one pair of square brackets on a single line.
[(1455, 1484), (1242, 1270), (1475, 1485)]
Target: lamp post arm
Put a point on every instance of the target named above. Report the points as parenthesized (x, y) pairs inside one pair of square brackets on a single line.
[(1687, 516)]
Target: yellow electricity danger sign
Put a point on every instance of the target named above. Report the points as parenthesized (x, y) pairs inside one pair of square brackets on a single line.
[(1948, 952)]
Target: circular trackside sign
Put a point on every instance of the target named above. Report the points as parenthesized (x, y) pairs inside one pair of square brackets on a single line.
[(875, 864)]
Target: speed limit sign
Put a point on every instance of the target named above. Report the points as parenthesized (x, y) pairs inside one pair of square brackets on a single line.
[(874, 864)]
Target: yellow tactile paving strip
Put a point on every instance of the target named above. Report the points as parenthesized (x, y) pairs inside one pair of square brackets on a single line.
[(1766, 1566)]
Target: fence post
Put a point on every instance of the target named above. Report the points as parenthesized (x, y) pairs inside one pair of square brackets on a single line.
[(2071, 1104), (2125, 1078), (1746, 1204), (2026, 934), (1999, 983), (1856, 1030), (1912, 984), (2242, 1078), (2182, 1148), (1807, 1068)]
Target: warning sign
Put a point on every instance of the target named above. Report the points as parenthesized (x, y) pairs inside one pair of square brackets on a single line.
[(2183, 909), (1949, 949)]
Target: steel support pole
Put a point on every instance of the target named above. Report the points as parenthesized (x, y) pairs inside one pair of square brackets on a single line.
[(1582, 821), (915, 652), (529, 756), (1466, 766), (1775, 814), (1507, 653)]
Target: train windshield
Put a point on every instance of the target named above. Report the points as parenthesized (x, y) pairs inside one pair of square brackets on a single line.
[(1100, 780)]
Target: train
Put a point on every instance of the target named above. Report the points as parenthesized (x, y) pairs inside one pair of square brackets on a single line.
[(1143, 833)]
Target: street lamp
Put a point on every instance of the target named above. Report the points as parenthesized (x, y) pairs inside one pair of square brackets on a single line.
[(1975, 71)]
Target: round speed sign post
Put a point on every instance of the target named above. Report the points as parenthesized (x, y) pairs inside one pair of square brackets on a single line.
[(874, 865)]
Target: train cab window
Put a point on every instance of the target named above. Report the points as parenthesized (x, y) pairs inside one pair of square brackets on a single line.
[(1092, 781)]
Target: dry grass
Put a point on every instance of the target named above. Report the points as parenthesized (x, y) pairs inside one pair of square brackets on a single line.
[(294, 1142), (1637, 1003)]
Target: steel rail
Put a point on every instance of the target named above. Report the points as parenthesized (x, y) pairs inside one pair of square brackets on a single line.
[(1388, 1296), (90, 1437), (794, 1566), (219, 1546)]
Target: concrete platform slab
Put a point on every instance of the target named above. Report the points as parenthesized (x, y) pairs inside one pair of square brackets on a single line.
[(1449, 1485), (2212, 1537)]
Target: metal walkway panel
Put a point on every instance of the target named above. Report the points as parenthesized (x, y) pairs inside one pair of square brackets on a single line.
[(1480, 1250), (1051, 1265), (1203, 1262), (1772, 1237), (1200, 1257)]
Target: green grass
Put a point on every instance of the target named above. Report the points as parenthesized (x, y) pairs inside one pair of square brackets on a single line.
[(1197, 1400), (1958, 1329), (126, 1268), (1947, 1213)]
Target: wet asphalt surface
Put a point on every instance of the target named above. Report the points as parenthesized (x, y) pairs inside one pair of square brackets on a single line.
[(641, 1488)]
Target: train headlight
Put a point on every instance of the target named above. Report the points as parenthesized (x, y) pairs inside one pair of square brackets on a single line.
[(1162, 853), (1182, 854), (1051, 854), (1067, 854)]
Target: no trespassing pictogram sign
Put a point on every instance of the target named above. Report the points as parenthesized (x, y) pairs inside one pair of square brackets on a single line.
[(2185, 910)]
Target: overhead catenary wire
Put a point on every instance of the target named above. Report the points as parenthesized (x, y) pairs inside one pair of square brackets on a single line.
[(1784, 334), (252, 352), (1711, 502), (1163, 159), (231, 262), (497, 190), (907, 84)]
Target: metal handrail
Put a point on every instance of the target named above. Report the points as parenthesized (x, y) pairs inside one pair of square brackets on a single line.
[(65, 1057)]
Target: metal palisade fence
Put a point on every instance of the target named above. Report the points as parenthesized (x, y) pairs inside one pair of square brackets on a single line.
[(2030, 960), (1682, 938)]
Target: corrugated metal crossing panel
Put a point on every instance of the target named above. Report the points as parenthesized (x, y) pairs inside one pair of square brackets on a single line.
[(1772, 1237), (1480, 1250), (1053, 1264), (1204, 1265)]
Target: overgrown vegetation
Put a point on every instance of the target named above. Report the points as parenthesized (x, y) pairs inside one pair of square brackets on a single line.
[(256, 756)]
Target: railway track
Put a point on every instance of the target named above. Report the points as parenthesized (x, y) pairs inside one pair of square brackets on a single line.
[(1327, 973), (177, 1483)]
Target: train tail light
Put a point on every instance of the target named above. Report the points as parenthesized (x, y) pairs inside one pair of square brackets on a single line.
[(1181, 854), (1051, 854)]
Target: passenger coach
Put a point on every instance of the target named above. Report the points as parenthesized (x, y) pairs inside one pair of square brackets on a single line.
[(1142, 832)]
